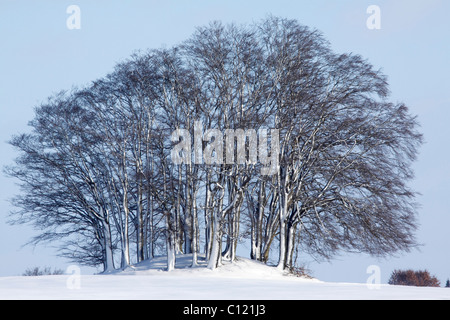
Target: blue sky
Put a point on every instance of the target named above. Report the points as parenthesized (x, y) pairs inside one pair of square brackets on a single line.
[(39, 56)]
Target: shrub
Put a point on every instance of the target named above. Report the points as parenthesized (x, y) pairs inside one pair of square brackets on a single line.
[(301, 272), (36, 271), (413, 278)]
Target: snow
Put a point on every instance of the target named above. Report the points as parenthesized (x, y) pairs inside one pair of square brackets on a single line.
[(243, 279)]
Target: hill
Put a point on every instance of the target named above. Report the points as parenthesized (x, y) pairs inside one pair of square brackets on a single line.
[(241, 280)]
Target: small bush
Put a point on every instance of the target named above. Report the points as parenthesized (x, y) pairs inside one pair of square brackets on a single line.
[(36, 271), (301, 272), (413, 278)]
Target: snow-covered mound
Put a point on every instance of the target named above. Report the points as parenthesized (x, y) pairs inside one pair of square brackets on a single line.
[(240, 268), (243, 279)]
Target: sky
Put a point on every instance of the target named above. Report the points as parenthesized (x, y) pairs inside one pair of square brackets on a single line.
[(40, 54)]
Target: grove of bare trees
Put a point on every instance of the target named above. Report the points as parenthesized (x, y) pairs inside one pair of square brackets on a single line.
[(256, 134)]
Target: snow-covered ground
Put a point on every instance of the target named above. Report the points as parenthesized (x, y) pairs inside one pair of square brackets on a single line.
[(242, 280)]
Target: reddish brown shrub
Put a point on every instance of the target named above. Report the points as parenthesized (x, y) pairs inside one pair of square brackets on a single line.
[(420, 278)]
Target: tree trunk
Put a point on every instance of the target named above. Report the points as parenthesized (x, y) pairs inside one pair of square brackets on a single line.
[(290, 245), (108, 265), (283, 230), (209, 228), (194, 231), (282, 257), (126, 240), (170, 244), (216, 243)]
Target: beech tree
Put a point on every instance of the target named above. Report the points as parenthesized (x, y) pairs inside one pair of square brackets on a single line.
[(256, 133), (63, 182)]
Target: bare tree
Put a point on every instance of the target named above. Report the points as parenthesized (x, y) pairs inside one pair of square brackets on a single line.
[(64, 192)]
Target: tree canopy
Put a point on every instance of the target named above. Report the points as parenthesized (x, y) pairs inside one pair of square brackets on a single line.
[(257, 133)]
